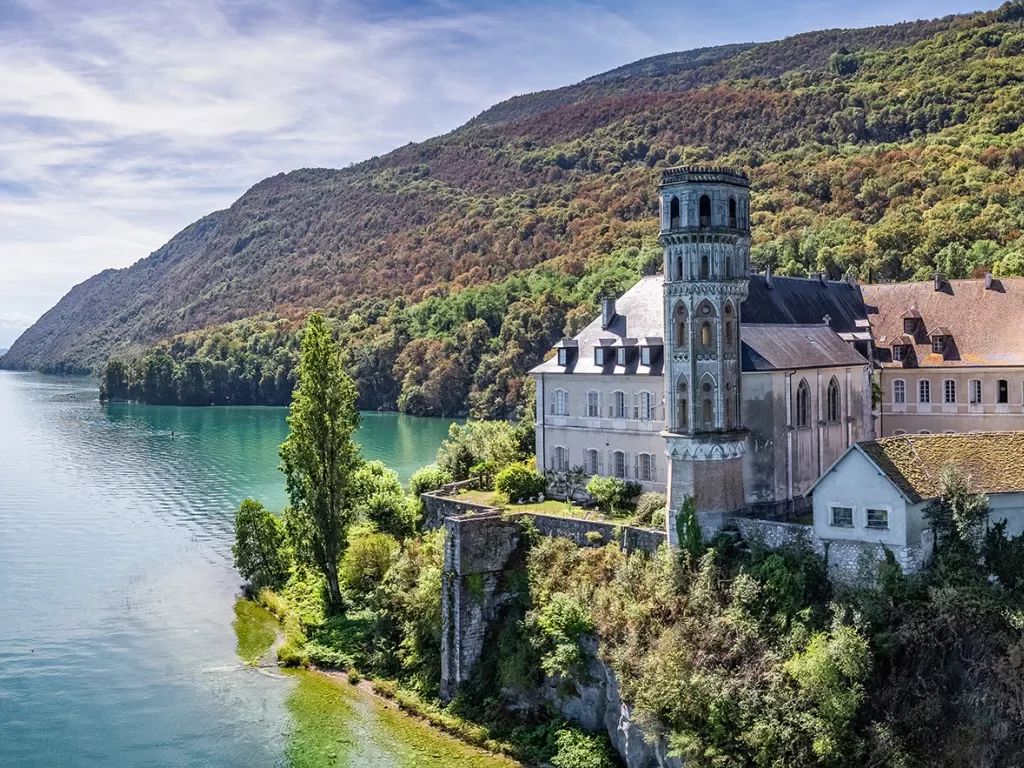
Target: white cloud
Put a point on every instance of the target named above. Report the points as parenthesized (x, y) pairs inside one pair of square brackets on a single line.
[(120, 123)]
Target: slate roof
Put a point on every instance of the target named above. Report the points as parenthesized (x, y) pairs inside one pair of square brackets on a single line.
[(796, 300), (800, 303), (781, 347), (985, 325), (913, 463)]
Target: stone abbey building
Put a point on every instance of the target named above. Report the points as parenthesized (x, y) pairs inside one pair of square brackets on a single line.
[(709, 381)]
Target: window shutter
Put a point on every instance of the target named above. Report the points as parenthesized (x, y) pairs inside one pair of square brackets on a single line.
[(636, 465), (611, 411), (600, 462), (636, 405), (654, 469)]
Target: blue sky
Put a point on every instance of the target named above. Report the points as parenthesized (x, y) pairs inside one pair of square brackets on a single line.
[(122, 121)]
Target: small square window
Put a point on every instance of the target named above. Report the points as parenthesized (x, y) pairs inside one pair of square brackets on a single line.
[(645, 355), (842, 517), (878, 519), (563, 356)]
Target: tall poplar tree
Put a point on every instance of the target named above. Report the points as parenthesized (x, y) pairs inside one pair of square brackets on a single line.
[(319, 457)]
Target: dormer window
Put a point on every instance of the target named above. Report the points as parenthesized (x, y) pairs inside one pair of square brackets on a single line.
[(563, 357), (598, 355), (909, 325), (941, 338), (645, 355), (897, 352), (620, 356)]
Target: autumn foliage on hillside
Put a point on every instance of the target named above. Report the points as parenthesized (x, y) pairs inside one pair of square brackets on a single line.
[(888, 152)]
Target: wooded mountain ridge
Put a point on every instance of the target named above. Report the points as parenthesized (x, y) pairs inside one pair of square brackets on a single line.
[(888, 151)]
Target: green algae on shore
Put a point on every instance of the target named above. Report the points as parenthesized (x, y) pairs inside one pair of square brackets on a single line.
[(337, 724), (256, 630)]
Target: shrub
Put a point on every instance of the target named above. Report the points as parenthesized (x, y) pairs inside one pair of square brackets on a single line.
[(577, 749), (594, 537), (519, 481), (353, 676), (259, 549), (484, 472), (610, 493), (648, 505), (380, 500), (429, 478), (367, 561), (562, 623)]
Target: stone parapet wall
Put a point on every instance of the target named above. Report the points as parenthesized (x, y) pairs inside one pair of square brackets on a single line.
[(849, 562), (439, 505), (576, 530)]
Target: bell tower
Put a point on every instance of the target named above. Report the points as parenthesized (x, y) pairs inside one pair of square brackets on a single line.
[(705, 233)]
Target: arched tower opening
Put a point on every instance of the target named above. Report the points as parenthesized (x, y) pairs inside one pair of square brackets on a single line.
[(732, 212), (673, 213), (705, 211)]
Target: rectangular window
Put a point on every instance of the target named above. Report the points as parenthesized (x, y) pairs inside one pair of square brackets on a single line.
[(561, 402), (620, 356), (949, 391), (899, 391), (593, 405), (975, 392), (620, 405), (938, 344), (598, 355), (561, 459), (646, 406), (563, 357), (842, 517), (924, 391), (620, 464), (645, 355), (1004, 391), (897, 352), (645, 467), (878, 519), (909, 325)]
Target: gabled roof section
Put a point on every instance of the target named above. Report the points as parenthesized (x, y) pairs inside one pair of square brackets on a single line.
[(985, 325), (782, 347), (800, 301), (914, 463)]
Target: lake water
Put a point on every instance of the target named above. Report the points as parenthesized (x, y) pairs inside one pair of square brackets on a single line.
[(117, 589)]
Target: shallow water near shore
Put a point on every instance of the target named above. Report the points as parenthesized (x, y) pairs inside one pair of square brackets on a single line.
[(117, 643)]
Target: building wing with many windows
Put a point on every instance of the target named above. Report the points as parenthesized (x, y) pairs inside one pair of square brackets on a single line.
[(951, 354)]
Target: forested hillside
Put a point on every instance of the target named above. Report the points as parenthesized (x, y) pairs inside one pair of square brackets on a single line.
[(451, 266)]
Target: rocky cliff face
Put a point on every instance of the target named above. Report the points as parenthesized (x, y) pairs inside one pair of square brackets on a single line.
[(598, 705)]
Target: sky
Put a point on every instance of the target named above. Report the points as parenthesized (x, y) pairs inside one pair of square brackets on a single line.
[(122, 121)]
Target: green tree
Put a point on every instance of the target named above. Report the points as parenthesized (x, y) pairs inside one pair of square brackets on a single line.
[(380, 500), (259, 549), (319, 458), (957, 517)]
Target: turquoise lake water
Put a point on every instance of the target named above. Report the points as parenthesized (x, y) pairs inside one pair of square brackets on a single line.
[(116, 582)]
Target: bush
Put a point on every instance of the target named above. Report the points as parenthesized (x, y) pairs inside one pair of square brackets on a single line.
[(367, 561), (259, 549), (611, 494), (577, 749), (562, 623), (648, 505), (353, 676), (382, 502), (519, 481), (429, 478), (497, 442)]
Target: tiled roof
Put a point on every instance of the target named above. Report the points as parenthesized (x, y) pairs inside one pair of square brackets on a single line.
[(992, 460), (984, 325), (780, 347), (640, 314)]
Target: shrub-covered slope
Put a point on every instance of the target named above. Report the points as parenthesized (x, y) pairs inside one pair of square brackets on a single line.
[(888, 151)]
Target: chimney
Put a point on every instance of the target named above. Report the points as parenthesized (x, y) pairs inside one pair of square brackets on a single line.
[(823, 277), (851, 278), (988, 281), (607, 312), (939, 280), (768, 275)]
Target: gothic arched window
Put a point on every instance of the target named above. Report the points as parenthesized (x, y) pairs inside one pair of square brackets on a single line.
[(705, 211), (708, 405), (673, 214), (683, 415), (728, 333), (803, 404), (832, 401), (732, 212), (681, 333), (707, 337)]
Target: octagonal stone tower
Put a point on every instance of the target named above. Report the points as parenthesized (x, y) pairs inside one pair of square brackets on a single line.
[(705, 232)]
